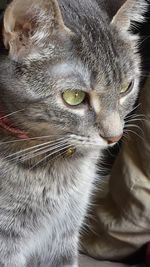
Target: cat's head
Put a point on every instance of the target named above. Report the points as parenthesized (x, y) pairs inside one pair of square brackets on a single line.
[(70, 71)]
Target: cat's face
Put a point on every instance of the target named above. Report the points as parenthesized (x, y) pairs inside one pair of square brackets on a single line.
[(79, 82)]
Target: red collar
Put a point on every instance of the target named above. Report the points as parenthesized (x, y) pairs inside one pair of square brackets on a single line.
[(6, 124)]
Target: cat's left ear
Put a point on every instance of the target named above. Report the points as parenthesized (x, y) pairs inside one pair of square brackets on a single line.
[(130, 11), (30, 26)]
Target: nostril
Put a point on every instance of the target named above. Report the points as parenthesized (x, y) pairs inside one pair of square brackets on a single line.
[(112, 139)]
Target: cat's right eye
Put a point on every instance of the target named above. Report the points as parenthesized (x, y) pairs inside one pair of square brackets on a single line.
[(74, 97)]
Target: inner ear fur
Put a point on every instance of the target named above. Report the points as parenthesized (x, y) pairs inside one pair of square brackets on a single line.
[(130, 10), (29, 23)]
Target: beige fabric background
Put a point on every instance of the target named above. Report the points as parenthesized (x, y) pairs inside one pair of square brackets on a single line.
[(89, 262), (120, 222)]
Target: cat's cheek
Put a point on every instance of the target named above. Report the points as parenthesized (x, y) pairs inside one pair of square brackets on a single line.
[(79, 110), (122, 100)]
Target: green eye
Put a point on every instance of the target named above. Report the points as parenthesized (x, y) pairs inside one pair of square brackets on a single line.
[(74, 97), (126, 88)]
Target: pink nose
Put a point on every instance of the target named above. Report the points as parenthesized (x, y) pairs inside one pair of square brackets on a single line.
[(113, 139)]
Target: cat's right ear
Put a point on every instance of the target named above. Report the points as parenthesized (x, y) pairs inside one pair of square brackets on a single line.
[(30, 26), (129, 12)]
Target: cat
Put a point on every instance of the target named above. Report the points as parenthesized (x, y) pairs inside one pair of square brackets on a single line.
[(69, 75)]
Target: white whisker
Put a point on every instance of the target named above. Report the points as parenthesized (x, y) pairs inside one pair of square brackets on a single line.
[(137, 106), (10, 114), (59, 155), (51, 154), (134, 126), (36, 146), (46, 149), (135, 134), (28, 139)]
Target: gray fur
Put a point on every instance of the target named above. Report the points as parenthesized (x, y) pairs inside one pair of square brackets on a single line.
[(44, 196)]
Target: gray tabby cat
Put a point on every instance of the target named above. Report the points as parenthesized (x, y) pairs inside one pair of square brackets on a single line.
[(70, 77)]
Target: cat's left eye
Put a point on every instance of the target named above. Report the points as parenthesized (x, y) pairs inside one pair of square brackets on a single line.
[(126, 88), (74, 97)]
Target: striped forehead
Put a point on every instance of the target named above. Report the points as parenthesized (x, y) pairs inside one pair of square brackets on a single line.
[(76, 73)]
